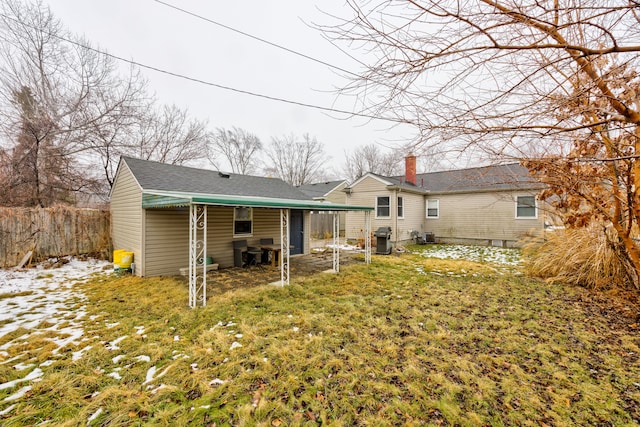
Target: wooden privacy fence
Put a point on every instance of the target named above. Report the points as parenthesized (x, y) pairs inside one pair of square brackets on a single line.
[(53, 232), (322, 225)]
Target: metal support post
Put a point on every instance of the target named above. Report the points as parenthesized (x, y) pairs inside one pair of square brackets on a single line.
[(367, 237), (336, 242), (284, 247), (197, 255)]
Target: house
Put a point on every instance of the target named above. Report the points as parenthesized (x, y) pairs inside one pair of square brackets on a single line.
[(172, 217), (494, 205), (330, 191)]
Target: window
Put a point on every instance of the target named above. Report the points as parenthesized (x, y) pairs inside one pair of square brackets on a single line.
[(400, 207), (383, 208), (433, 208), (526, 207), (242, 221)]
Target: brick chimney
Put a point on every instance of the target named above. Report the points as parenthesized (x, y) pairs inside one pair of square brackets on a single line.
[(410, 169)]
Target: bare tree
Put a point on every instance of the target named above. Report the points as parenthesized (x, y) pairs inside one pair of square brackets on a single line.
[(238, 147), (49, 76), (170, 136), (369, 158), (105, 137), (40, 173), (297, 160), (555, 82)]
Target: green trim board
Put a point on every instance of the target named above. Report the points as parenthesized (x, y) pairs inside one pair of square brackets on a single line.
[(152, 200)]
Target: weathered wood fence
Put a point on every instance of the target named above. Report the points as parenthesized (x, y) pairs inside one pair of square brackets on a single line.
[(53, 232), (322, 225)]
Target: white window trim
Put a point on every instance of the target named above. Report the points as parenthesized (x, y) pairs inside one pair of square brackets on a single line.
[(397, 206), (383, 217), (426, 210), (535, 201), (250, 234)]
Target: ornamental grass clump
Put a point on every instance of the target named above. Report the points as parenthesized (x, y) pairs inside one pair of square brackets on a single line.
[(591, 256)]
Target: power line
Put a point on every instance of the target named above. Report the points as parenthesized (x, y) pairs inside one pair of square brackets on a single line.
[(204, 82), (278, 46), (286, 49)]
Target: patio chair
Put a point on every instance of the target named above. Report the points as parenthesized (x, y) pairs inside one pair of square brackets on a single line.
[(244, 255), (239, 252), (254, 256), (266, 252)]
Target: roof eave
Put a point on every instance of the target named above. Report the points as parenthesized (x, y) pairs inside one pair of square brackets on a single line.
[(404, 189), (487, 190), (169, 199)]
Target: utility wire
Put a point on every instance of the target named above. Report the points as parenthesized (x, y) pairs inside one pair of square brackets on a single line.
[(278, 46), (204, 82), (286, 49)]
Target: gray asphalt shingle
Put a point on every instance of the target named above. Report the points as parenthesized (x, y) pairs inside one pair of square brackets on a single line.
[(510, 176), (165, 177), (319, 189)]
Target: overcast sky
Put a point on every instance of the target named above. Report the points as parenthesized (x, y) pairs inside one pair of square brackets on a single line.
[(156, 35)]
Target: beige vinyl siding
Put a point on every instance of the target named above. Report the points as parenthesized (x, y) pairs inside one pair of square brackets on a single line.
[(413, 216), (337, 195), (481, 216), (266, 223), (166, 241), (340, 197), (126, 216), (364, 193), (220, 235)]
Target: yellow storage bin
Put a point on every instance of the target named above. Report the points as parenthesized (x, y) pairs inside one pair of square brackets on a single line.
[(126, 260), (117, 258)]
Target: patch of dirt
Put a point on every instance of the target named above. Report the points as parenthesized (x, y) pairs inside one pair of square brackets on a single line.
[(234, 278), (620, 308)]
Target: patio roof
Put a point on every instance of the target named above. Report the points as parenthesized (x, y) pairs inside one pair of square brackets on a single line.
[(169, 199)]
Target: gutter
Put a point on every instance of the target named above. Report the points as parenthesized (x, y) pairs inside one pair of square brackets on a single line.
[(421, 191)]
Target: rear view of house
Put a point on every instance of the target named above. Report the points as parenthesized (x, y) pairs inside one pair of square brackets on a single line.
[(152, 208), (495, 205)]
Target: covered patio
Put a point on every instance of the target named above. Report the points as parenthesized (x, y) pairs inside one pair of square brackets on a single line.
[(230, 279), (199, 204)]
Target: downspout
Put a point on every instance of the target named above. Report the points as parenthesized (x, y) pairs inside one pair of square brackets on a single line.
[(396, 217)]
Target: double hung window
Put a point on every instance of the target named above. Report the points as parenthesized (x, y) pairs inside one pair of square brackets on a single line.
[(383, 207), (433, 208), (526, 207), (242, 221)]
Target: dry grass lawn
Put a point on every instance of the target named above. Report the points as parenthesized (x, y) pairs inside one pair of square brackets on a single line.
[(404, 341)]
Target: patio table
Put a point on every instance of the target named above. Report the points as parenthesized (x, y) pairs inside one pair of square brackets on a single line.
[(275, 250)]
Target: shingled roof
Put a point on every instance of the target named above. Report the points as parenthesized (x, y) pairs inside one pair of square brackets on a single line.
[(510, 176), (319, 189), (156, 176)]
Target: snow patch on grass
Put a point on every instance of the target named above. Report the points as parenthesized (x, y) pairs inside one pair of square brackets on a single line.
[(482, 254), (18, 394), (115, 375), (113, 345), (43, 301), (36, 373), (77, 355), (94, 416), (6, 410)]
